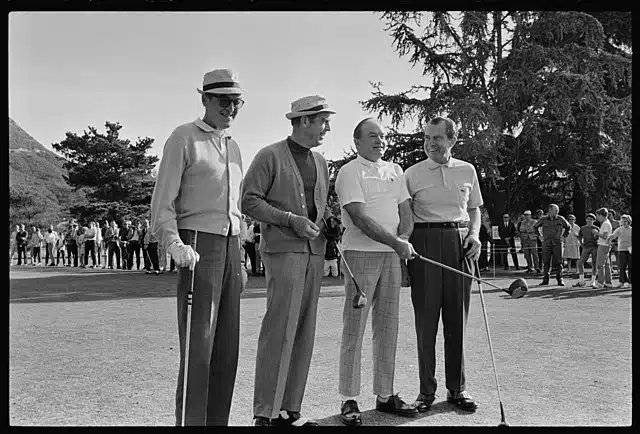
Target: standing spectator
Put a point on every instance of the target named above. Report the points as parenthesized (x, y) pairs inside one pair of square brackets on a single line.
[(529, 240), (112, 240), (613, 253), (331, 255), (286, 189), (61, 247), (588, 236), (80, 238), (623, 236), (485, 240), (126, 232), (250, 245), (151, 248), (134, 245), (99, 244), (571, 251), (21, 242), (538, 215), (36, 245), (256, 242), (13, 244), (603, 261), (90, 236), (71, 241), (507, 233), (555, 229), (50, 240), (145, 255)]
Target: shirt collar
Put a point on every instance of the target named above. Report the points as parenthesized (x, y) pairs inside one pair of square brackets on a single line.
[(433, 165), (209, 129), (368, 163)]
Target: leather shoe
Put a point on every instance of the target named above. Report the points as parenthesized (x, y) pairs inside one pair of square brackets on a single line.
[(423, 402), (261, 421), (561, 282), (544, 282), (395, 405), (291, 418), (462, 400), (350, 413)]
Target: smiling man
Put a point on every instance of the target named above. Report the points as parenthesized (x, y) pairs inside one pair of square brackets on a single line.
[(286, 190), (377, 220), (197, 191), (445, 200)]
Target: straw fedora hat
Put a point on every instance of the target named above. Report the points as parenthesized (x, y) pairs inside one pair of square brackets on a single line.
[(221, 81), (307, 106)]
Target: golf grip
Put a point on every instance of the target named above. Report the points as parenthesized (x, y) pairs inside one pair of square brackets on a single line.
[(345, 264), (486, 323), (188, 335)]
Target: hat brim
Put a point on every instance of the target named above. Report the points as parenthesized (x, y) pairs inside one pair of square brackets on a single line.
[(293, 115), (224, 91)]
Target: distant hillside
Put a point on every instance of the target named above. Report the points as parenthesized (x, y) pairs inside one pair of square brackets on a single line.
[(34, 166)]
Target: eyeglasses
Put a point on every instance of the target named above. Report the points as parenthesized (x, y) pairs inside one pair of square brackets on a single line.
[(225, 101)]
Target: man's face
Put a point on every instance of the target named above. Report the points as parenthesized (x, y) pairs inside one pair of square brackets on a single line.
[(505, 219), (372, 141), (572, 220), (436, 143), (553, 211), (590, 220), (527, 217), (17, 227), (316, 127), (222, 109), (33, 228), (21, 228), (600, 217)]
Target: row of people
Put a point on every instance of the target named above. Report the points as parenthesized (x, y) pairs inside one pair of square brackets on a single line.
[(389, 217)]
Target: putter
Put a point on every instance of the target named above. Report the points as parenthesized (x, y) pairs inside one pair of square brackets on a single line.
[(360, 300), (188, 336), (503, 422)]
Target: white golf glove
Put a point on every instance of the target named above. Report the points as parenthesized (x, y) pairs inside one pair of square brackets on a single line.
[(183, 255)]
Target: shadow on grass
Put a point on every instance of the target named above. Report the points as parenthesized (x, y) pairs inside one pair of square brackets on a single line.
[(377, 418), (563, 292), (48, 284)]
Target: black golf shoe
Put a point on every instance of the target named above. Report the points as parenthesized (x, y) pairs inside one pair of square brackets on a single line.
[(561, 282), (423, 402), (544, 282), (261, 421), (291, 418), (462, 400), (395, 405), (350, 413)]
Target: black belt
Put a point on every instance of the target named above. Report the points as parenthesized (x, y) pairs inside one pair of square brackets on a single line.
[(441, 225)]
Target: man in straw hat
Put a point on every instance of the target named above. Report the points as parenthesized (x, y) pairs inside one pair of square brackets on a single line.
[(286, 189), (377, 220), (197, 191)]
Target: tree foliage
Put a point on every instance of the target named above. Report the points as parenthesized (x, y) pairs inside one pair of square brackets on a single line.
[(542, 101), (115, 173), (30, 207)]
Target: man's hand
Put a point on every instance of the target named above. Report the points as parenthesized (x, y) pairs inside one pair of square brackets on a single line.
[(183, 255), (404, 249), (471, 246), (303, 227)]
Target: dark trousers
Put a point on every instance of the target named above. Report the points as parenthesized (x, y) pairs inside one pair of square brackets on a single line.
[(510, 245), (539, 248), (145, 257), (89, 246), (434, 289), (624, 266), (152, 253), (215, 329), (35, 253), (72, 250), (133, 247), (58, 255), (483, 261), (113, 248), (552, 257), (22, 252), (124, 254), (250, 249)]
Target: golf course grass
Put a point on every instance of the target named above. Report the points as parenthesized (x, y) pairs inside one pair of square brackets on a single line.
[(100, 348)]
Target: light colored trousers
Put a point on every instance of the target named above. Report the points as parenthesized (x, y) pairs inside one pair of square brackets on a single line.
[(331, 267), (379, 276), (287, 333), (603, 265)]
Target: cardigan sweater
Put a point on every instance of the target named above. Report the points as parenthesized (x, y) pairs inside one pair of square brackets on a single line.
[(272, 188)]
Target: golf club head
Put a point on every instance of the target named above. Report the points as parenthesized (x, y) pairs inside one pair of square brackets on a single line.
[(503, 424), (518, 288), (359, 301)]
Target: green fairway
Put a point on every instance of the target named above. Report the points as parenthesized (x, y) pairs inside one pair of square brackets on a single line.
[(93, 347)]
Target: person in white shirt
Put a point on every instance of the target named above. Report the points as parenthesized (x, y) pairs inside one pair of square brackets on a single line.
[(50, 240), (623, 235), (603, 262), (90, 244), (13, 244), (377, 220)]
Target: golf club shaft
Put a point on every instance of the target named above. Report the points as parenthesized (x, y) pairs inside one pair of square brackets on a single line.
[(486, 323), (345, 263), (188, 336), (446, 267)]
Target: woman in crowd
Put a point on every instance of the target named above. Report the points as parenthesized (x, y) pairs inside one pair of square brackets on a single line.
[(571, 251)]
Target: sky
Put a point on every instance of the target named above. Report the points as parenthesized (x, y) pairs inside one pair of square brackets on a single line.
[(72, 70)]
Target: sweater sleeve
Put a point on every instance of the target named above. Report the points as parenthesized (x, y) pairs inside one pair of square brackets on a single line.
[(165, 192), (256, 185)]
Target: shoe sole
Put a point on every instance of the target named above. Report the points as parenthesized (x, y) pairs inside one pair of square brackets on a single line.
[(357, 422)]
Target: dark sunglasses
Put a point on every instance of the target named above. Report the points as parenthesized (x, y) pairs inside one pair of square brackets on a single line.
[(225, 101)]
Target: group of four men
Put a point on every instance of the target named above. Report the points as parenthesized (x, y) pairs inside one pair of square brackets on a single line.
[(389, 216)]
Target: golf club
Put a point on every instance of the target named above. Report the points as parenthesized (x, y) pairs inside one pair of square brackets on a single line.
[(360, 300), (520, 282), (503, 422), (188, 336)]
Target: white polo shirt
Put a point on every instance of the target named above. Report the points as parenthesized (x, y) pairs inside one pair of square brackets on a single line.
[(605, 226), (381, 187), (442, 192)]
